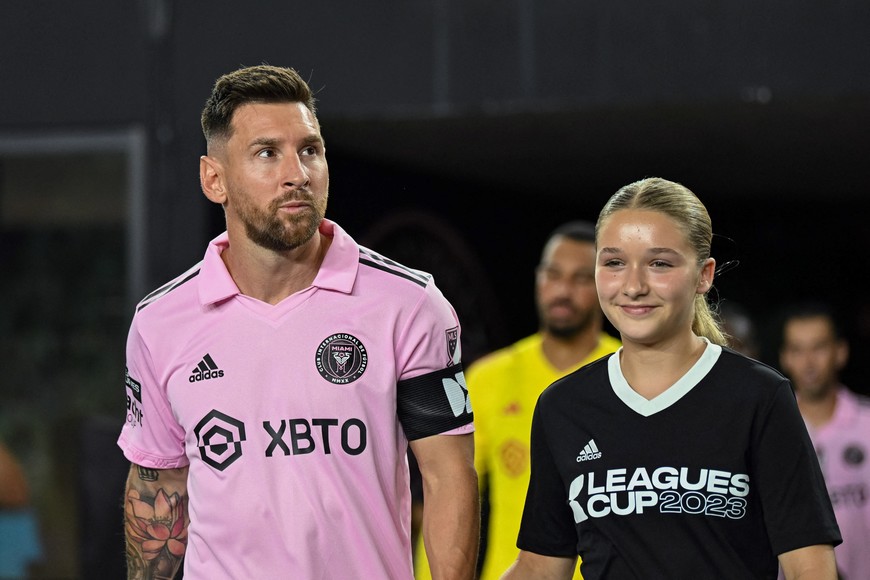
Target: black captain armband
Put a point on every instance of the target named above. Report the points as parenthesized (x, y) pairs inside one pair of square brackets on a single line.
[(434, 403)]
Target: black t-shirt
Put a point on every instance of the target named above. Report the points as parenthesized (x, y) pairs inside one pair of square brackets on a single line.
[(711, 479)]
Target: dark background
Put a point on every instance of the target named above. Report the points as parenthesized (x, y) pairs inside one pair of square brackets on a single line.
[(499, 118), (459, 133)]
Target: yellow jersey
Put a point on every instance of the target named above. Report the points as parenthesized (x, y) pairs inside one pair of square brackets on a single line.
[(504, 387)]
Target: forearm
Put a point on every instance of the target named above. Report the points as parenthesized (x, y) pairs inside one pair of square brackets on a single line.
[(156, 521), (451, 527), (531, 566), (809, 563)]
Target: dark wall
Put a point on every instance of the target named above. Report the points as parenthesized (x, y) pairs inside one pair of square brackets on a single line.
[(72, 64), (533, 110), (89, 61)]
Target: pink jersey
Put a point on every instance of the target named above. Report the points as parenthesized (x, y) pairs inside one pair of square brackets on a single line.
[(295, 418), (843, 447)]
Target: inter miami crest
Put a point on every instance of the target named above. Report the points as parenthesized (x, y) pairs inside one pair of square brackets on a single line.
[(853, 455), (341, 359), (454, 353)]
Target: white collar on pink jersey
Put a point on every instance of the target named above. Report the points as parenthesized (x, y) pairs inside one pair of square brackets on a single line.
[(338, 271)]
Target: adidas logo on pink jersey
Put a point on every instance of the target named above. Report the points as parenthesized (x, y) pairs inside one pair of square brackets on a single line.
[(206, 369)]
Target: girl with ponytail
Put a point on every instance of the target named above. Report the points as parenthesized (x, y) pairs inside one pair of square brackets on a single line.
[(675, 457)]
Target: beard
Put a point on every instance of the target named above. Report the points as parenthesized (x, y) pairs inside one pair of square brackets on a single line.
[(566, 329), (268, 229), (814, 390)]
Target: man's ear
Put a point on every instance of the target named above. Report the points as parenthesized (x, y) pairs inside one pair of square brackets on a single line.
[(211, 179), (842, 353)]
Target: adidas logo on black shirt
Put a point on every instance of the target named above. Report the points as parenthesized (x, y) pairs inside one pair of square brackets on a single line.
[(206, 369), (590, 451)]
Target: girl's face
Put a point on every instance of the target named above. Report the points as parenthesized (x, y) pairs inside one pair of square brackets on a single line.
[(647, 276)]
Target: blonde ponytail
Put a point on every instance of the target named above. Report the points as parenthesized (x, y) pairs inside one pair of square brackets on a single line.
[(705, 323)]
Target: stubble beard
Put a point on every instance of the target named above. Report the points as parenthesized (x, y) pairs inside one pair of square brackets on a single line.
[(567, 331), (816, 391), (268, 230)]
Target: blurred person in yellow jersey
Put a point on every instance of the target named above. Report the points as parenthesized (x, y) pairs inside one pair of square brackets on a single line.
[(505, 384)]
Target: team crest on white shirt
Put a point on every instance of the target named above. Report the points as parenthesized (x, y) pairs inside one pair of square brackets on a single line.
[(341, 358)]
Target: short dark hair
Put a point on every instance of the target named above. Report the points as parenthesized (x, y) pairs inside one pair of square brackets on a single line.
[(578, 230), (255, 84), (812, 309)]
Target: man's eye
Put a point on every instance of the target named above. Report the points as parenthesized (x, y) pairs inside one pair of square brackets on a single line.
[(312, 150), (266, 153)]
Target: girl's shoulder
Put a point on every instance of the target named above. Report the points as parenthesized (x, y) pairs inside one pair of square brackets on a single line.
[(582, 383)]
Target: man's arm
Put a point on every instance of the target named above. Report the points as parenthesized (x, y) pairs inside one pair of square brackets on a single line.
[(531, 566), (451, 507), (816, 562), (155, 521)]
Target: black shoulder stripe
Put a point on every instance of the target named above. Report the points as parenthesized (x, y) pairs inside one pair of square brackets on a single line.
[(376, 257), (392, 271), (158, 291), (154, 296), (172, 283)]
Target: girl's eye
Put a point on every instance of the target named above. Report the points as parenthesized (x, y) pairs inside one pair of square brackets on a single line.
[(660, 264)]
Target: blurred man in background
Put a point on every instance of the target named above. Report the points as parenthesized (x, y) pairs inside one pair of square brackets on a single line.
[(738, 325), (505, 384), (812, 354)]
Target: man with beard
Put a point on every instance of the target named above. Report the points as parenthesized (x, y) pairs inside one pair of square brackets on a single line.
[(505, 385), (273, 389), (812, 354)]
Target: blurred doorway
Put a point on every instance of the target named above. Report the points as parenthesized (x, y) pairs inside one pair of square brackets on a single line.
[(72, 254)]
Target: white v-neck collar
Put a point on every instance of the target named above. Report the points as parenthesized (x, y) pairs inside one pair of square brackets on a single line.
[(674, 393)]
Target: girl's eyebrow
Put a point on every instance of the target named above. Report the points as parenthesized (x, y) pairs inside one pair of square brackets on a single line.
[(655, 251)]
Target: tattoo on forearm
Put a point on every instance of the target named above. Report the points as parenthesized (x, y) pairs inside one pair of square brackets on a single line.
[(135, 563), (146, 474), (156, 531)]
